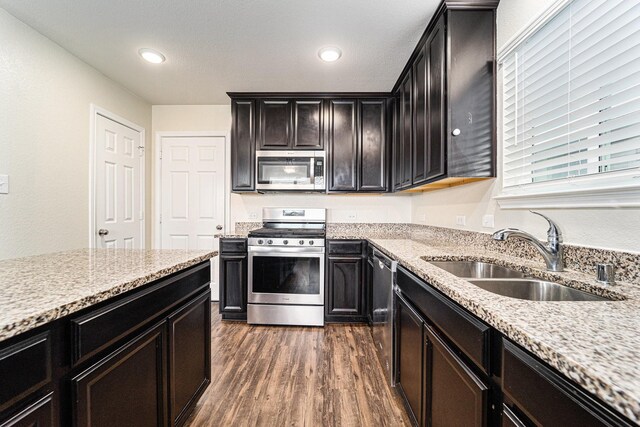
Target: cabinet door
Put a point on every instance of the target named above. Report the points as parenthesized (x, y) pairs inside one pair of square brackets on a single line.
[(343, 145), (436, 139), (37, 414), (373, 147), (233, 283), (344, 293), (308, 124), (406, 125), (189, 356), (420, 118), (454, 395), (275, 124), (398, 154), (243, 145), (126, 388), (409, 357)]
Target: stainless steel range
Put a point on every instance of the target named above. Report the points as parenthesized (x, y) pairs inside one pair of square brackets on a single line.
[(286, 268)]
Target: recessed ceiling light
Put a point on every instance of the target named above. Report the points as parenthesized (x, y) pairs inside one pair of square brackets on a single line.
[(152, 56), (330, 53)]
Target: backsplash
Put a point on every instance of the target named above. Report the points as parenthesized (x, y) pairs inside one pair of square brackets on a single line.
[(579, 258)]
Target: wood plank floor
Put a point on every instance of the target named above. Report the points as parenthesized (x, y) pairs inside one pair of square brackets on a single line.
[(294, 376)]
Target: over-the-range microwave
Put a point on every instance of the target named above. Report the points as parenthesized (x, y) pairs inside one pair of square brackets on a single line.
[(290, 170)]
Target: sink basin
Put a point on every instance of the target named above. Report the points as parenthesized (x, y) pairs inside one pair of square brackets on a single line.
[(535, 290), (477, 270)]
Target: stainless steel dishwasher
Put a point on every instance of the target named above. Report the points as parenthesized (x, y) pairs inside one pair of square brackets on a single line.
[(384, 270)]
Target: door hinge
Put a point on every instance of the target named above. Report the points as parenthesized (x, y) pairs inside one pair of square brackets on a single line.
[(160, 154), (141, 150)]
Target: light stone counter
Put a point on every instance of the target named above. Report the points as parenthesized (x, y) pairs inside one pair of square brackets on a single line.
[(595, 344), (40, 289)]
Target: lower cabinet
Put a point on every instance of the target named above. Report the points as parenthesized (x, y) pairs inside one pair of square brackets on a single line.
[(127, 387), (345, 295), (189, 356), (233, 279), (38, 414), (410, 363), (453, 394)]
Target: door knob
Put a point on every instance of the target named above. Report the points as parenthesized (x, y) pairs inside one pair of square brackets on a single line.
[(455, 132), (218, 227), (103, 232)]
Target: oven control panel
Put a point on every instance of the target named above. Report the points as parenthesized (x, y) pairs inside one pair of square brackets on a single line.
[(289, 241)]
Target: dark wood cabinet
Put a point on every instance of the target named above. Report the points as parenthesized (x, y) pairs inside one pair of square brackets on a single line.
[(233, 279), (275, 124), (397, 152), (189, 356), (139, 358), (308, 124), (436, 118), (243, 145), (372, 152), (342, 145), (406, 130), (546, 398), (454, 395), (37, 414), (127, 387), (345, 293), (421, 117), (409, 357)]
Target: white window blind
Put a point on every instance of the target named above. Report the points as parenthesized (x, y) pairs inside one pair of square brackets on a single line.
[(571, 97)]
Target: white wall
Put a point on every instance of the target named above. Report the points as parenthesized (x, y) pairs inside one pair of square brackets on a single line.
[(604, 228), (45, 93)]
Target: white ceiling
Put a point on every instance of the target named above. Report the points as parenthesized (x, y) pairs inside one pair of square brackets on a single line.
[(215, 46)]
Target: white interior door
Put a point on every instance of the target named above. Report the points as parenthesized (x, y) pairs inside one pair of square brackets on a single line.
[(192, 213), (119, 220)]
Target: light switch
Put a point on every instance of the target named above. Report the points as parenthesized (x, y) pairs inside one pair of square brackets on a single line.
[(4, 184), (461, 220)]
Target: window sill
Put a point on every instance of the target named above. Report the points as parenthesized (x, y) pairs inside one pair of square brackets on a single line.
[(618, 197)]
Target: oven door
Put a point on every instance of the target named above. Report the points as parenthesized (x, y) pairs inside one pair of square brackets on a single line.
[(286, 275), (285, 171)]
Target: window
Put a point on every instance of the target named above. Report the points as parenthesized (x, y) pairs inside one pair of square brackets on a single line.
[(571, 102)]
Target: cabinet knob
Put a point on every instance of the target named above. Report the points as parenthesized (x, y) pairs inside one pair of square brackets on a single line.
[(218, 227), (103, 232), (455, 132)]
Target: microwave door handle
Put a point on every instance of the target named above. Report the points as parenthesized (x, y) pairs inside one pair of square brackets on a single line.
[(313, 169)]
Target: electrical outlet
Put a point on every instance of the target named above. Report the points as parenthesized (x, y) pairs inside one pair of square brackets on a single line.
[(352, 215), (423, 217), (487, 221), (4, 184), (253, 215), (461, 220)]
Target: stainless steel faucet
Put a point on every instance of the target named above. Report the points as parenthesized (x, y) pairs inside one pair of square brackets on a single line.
[(551, 251)]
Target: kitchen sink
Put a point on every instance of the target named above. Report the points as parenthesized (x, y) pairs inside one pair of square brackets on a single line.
[(477, 269), (535, 290)]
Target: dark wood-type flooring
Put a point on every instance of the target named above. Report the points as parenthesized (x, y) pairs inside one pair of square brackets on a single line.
[(294, 376)]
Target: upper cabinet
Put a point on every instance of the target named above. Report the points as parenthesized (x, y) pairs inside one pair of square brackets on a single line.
[(343, 145), (446, 117), (291, 124), (372, 143), (243, 145), (308, 124)]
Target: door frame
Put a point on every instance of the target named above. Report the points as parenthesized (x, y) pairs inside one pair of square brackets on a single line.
[(94, 112), (157, 178)]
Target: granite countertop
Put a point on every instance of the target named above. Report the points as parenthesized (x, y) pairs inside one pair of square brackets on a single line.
[(595, 344), (39, 289)]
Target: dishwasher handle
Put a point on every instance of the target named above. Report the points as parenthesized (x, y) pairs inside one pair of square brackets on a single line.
[(383, 261)]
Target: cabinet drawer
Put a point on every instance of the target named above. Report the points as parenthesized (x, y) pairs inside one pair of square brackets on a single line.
[(469, 334), (24, 368), (98, 329), (546, 397), (233, 245), (346, 247), (37, 414)]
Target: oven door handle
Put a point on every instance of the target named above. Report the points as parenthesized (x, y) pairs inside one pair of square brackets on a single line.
[(269, 250)]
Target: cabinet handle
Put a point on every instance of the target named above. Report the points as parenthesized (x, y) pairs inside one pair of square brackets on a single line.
[(455, 132)]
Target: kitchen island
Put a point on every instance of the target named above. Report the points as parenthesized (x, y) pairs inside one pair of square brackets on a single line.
[(104, 337)]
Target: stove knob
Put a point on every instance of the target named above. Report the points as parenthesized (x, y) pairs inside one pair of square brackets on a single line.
[(301, 242), (260, 241), (269, 242), (311, 242), (286, 242)]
